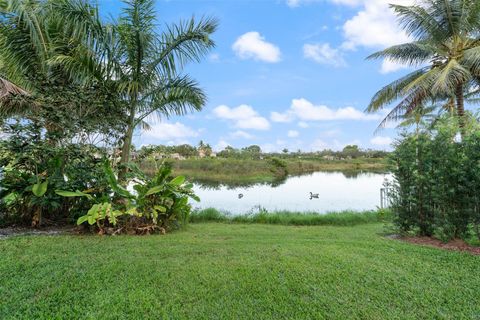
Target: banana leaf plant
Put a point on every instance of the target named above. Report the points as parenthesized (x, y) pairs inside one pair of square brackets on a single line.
[(157, 202)]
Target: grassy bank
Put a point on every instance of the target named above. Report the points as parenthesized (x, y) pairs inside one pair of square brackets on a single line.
[(244, 171), (346, 218), (236, 271)]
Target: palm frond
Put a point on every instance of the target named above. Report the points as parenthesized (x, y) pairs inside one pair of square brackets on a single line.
[(410, 102), (181, 43), (419, 23), (394, 90), (176, 97), (413, 53)]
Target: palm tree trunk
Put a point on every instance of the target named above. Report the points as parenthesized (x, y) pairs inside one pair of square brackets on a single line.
[(460, 108), (127, 144)]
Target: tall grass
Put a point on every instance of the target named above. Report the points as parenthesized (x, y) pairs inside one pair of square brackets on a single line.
[(343, 218)]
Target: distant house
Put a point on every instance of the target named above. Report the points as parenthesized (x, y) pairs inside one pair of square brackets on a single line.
[(177, 156), (202, 153), (329, 157), (159, 156), (206, 152)]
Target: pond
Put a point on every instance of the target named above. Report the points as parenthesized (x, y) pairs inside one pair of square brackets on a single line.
[(336, 191)]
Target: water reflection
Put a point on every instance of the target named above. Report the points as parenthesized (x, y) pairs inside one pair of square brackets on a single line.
[(217, 185), (336, 191)]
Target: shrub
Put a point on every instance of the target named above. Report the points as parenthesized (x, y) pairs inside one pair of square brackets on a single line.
[(30, 161), (437, 181), (158, 204), (278, 167)]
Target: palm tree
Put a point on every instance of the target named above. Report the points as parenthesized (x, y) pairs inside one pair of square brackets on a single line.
[(139, 69), (446, 50), (32, 34), (142, 67)]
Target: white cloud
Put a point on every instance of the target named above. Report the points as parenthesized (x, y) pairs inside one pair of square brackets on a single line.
[(257, 123), (243, 117), (293, 134), (304, 110), (170, 131), (293, 3), (303, 124), (381, 141), (324, 54), (241, 134), (280, 117), (222, 144), (252, 45), (375, 26)]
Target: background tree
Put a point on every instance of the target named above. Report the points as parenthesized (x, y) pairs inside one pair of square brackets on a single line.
[(446, 48), (143, 67), (32, 35), (351, 151)]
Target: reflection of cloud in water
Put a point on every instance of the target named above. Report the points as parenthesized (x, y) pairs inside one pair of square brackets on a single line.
[(337, 191)]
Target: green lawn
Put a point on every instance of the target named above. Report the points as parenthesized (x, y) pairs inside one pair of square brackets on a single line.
[(236, 271)]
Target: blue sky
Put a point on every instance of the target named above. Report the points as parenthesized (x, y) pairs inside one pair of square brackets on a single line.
[(285, 73)]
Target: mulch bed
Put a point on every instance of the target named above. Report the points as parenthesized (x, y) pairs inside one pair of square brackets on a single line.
[(456, 244)]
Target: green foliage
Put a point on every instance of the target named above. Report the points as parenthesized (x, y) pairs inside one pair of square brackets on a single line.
[(99, 213), (158, 203), (40, 188), (278, 167), (445, 51), (34, 167), (436, 186), (351, 151)]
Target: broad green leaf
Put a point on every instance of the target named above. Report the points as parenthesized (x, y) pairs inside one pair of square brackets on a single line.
[(82, 219), (134, 212), (10, 197), (195, 197), (69, 194), (177, 181), (154, 190), (112, 181), (160, 208), (39, 189)]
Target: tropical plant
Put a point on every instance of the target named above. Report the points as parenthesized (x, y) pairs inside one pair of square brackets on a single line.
[(436, 181), (445, 47), (33, 168), (141, 67), (157, 203), (32, 35)]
